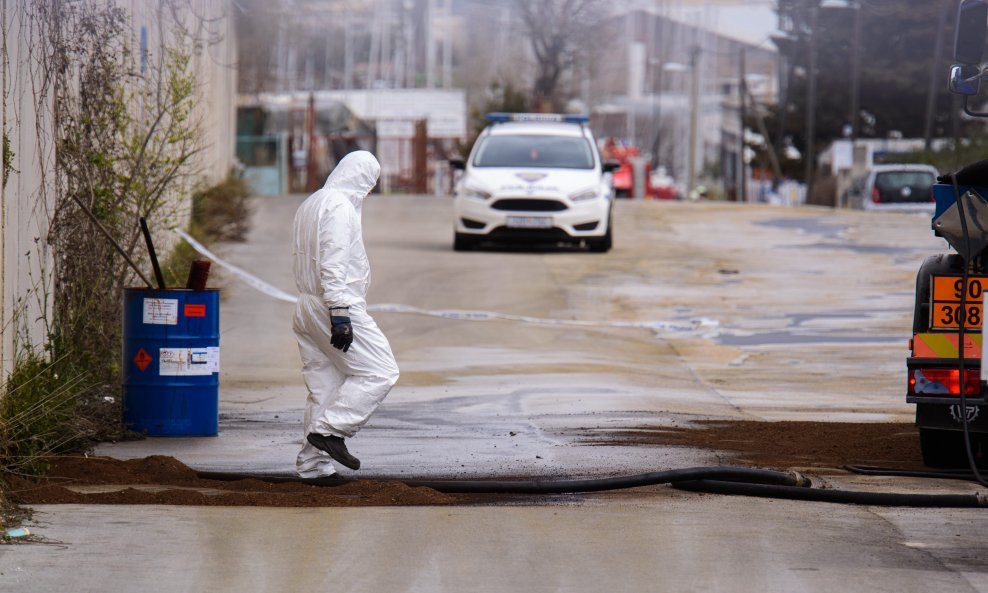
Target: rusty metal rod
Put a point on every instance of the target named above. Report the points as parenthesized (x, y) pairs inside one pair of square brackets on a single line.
[(113, 241)]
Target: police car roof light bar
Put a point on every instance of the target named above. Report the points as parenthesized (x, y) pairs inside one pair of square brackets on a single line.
[(500, 118)]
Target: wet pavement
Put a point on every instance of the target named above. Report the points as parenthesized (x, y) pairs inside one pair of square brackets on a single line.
[(759, 313), (763, 329)]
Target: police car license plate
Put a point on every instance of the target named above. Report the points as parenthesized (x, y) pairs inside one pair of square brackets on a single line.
[(529, 222)]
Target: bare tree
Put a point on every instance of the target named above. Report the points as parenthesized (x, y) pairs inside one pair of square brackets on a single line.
[(563, 34), (258, 23)]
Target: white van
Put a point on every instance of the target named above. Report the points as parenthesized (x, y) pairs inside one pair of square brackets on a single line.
[(895, 187)]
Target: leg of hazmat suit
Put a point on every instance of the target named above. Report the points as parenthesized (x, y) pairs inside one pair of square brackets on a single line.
[(344, 388)]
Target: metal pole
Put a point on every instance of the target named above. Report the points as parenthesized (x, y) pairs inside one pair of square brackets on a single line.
[(347, 51), (312, 184), (855, 72), (430, 45), (772, 152), (694, 99), (447, 44), (809, 155), (785, 74), (375, 47), (152, 254), (935, 74), (742, 97), (410, 44), (386, 55)]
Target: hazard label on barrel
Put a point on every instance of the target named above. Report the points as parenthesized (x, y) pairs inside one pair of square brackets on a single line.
[(142, 359)]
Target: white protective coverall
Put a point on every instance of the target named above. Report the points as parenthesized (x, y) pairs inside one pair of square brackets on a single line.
[(331, 271)]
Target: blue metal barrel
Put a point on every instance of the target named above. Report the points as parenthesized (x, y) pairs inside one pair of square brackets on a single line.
[(170, 361)]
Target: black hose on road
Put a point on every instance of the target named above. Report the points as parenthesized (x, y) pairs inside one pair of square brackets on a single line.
[(714, 480), (867, 470), (727, 474), (886, 499)]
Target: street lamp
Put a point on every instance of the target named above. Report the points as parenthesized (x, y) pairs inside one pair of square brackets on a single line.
[(694, 99), (680, 67), (811, 107), (852, 112)]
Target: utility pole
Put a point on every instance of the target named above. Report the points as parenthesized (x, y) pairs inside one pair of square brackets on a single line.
[(386, 54), (311, 183), (852, 116), (430, 45), (410, 44), (935, 74), (742, 98), (347, 51), (694, 107), (375, 48), (772, 152), (808, 154), (281, 56), (447, 44)]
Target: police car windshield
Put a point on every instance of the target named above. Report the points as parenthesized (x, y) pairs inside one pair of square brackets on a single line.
[(557, 152)]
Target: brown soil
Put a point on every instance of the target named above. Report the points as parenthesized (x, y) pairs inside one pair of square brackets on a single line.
[(784, 444), (165, 480)]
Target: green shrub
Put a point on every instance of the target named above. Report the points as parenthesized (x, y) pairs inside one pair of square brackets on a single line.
[(219, 213), (38, 412)]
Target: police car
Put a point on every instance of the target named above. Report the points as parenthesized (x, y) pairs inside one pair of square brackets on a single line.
[(534, 178)]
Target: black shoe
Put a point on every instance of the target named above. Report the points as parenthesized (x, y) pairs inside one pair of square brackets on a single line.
[(335, 447)]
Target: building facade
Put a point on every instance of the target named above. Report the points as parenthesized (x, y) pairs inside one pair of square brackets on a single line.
[(29, 127)]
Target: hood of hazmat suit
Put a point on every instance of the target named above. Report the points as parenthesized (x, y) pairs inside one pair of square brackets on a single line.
[(355, 176), (331, 272), (330, 260)]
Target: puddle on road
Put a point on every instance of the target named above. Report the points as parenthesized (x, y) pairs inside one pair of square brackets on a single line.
[(890, 250), (835, 237), (802, 334), (812, 226), (785, 337)]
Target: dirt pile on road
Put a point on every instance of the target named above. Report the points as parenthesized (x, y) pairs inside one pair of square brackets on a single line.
[(784, 444), (165, 480)]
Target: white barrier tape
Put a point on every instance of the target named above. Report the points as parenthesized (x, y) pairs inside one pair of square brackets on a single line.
[(490, 316), (254, 281), (455, 314)]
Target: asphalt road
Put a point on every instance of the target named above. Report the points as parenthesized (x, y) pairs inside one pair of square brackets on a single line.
[(747, 312)]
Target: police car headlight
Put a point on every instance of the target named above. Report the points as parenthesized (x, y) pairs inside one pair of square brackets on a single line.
[(472, 192), (587, 194)]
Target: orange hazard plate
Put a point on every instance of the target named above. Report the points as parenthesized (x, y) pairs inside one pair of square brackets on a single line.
[(945, 308)]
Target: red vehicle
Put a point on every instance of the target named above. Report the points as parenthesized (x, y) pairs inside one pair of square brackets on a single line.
[(623, 179)]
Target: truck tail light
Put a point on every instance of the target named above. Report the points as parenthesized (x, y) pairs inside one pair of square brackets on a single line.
[(944, 382)]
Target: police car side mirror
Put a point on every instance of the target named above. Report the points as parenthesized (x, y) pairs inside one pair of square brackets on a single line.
[(610, 166), (970, 32), (964, 80), (457, 163)]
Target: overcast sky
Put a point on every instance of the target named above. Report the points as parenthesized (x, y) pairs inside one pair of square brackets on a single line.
[(749, 20), (753, 23)]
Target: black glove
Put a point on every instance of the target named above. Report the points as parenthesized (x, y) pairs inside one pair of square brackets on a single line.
[(342, 332)]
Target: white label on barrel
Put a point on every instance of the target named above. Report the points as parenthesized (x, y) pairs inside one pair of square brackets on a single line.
[(161, 311), (187, 362)]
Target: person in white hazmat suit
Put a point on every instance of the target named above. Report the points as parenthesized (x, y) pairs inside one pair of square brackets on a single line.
[(347, 362)]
